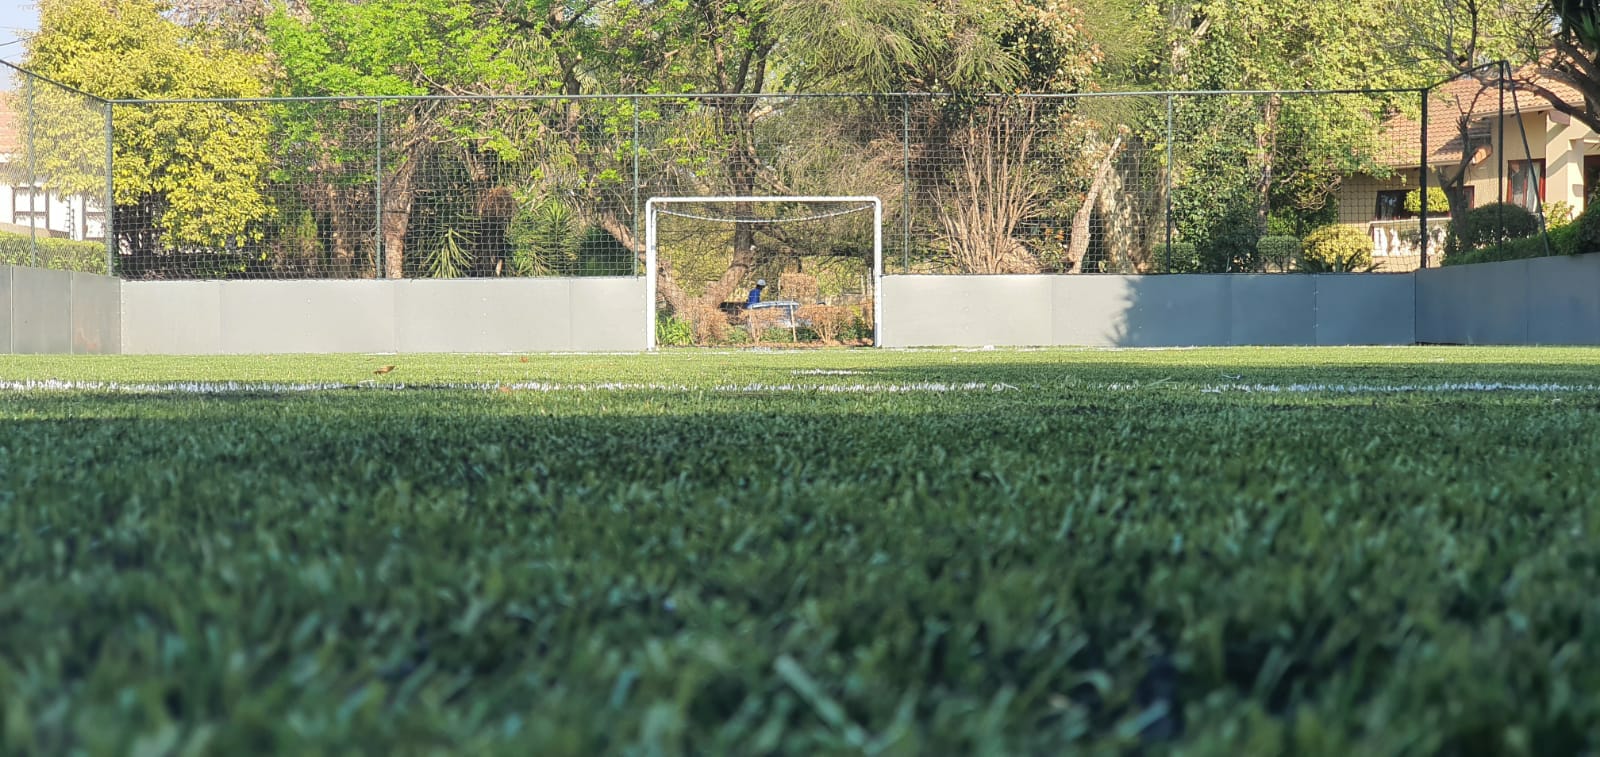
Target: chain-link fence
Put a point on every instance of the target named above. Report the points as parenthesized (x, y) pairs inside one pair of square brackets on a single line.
[(996, 184), (54, 174)]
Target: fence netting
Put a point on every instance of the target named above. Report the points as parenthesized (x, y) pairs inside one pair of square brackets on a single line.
[(1502, 168), (54, 175), (1380, 181)]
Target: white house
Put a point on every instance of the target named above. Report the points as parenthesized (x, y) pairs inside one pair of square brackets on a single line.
[(29, 209)]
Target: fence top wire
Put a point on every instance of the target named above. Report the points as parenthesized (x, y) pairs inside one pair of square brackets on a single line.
[(48, 80), (765, 95)]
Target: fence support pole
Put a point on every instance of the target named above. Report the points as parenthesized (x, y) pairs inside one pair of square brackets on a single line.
[(377, 193), (107, 222), (1422, 183), (905, 199), (636, 264), (33, 182), (1168, 191), (1500, 149)]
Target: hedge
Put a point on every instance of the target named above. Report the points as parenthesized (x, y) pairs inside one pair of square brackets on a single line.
[(1278, 251), (55, 254), (1336, 248), (1489, 224)]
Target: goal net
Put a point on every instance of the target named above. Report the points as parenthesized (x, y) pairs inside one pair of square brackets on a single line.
[(815, 264)]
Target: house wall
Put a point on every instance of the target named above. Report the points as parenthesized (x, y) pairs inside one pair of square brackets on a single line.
[(1565, 148), (1358, 195), (463, 315), (1147, 311), (59, 312)]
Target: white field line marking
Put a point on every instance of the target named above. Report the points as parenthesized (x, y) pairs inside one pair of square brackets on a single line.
[(1473, 386), (243, 387)]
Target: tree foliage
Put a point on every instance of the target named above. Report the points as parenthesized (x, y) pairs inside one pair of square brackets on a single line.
[(194, 171), (1295, 150), (538, 186)]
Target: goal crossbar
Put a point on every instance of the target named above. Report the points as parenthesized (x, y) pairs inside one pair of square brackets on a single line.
[(652, 268)]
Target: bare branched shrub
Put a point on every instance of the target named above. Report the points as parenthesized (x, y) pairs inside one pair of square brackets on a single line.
[(994, 190), (829, 321), (800, 287), (710, 324), (760, 319)]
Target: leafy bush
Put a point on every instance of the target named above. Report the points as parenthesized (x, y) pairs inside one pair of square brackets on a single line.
[(1179, 257), (1489, 224), (1230, 243), (1563, 241), (1438, 201), (672, 331), (1278, 252), (1587, 235), (1336, 249), (1558, 214), (55, 254)]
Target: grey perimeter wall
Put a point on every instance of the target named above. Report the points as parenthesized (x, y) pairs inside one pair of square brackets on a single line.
[(1148, 311), (1538, 301), (59, 312), (500, 315)]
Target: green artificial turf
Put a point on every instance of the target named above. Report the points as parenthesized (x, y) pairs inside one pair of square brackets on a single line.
[(917, 552)]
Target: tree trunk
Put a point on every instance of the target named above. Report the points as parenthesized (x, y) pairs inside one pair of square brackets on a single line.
[(1078, 246), (734, 116), (398, 193), (1267, 147)]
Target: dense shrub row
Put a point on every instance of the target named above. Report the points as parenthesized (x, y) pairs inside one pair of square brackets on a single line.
[(1481, 239), (53, 253)]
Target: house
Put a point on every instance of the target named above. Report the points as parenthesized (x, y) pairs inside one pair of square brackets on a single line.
[(26, 207), (1528, 154)]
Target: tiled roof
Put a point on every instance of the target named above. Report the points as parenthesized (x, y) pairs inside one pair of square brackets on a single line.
[(1478, 101), (10, 143)]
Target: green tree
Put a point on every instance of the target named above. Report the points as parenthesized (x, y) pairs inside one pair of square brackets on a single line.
[(405, 48), (186, 175), (1297, 148), (751, 48)]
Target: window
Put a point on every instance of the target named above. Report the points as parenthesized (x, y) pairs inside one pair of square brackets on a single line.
[(1591, 176), (1525, 183), (1392, 205), (30, 206)]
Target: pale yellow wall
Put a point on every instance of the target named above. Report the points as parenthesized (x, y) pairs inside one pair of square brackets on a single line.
[(1564, 153), (1561, 146), (1533, 123), (1358, 195)]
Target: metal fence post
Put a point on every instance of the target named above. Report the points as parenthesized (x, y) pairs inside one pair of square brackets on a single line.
[(905, 197), (636, 264), (1422, 182), (1500, 149), (1168, 191), (107, 217), (33, 179), (377, 193)]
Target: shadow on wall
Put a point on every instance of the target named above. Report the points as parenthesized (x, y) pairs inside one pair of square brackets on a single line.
[(1248, 310), (1149, 311), (1551, 300)]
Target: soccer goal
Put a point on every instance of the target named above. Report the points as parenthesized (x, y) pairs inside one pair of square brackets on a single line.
[(732, 242)]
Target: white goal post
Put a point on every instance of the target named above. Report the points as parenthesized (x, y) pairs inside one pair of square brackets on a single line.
[(652, 269)]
